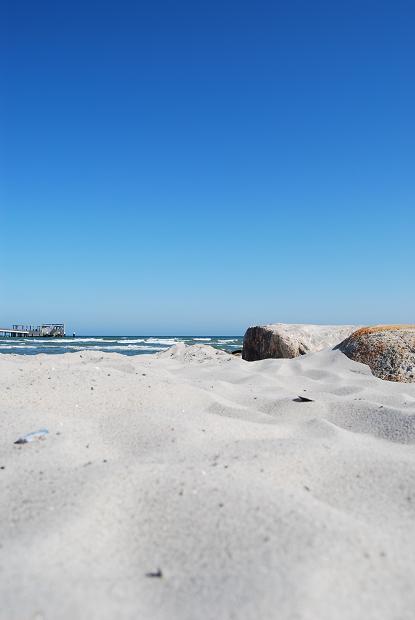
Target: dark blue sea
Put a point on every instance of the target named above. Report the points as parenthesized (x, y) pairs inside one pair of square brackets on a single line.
[(127, 345)]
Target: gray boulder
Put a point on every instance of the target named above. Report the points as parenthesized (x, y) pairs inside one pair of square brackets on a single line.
[(389, 351), (291, 340)]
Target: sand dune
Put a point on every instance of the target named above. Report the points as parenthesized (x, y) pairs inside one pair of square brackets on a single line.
[(202, 465)]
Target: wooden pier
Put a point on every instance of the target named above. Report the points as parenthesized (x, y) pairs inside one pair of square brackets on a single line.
[(47, 330)]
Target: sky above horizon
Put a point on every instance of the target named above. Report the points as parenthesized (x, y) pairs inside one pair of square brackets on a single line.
[(199, 167)]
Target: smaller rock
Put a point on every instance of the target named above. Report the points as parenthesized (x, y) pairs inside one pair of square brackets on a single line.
[(155, 574)]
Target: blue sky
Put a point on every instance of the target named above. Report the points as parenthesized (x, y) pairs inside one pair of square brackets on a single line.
[(197, 167)]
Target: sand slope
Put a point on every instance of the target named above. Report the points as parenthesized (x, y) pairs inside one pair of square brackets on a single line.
[(200, 464)]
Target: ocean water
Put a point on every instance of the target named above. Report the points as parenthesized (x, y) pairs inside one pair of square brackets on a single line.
[(127, 345)]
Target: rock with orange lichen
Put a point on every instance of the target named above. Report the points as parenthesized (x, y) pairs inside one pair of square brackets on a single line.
[(389, 351)]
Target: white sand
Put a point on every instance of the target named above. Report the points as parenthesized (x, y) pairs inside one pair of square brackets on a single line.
[(254, 506)]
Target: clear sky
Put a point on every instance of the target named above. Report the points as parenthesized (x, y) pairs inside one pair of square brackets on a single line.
[(197, 167)]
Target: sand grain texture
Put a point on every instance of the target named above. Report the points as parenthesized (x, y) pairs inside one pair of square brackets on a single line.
[(253, 505)]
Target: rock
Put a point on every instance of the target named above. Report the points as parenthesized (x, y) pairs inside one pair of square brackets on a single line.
[(290, 340), (388, 350)]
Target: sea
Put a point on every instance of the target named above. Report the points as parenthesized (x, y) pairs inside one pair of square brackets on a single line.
[(126, 345)]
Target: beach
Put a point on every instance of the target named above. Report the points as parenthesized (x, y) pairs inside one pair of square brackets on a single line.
[(192, 484)]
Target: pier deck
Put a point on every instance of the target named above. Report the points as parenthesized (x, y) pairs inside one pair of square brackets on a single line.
[(46, 330), (17, 333)]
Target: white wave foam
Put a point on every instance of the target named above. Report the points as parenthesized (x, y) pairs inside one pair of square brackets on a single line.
[(73, 347), (130, 347), (166, 341), (47, 341), (202, 339), (89, 339)]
